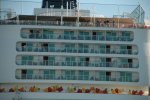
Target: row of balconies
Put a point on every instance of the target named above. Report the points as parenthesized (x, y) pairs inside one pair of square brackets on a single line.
[(77, 61), (52, 77), (78, 75), (83, 37), (72, 35), (77, 64), (76, 48)]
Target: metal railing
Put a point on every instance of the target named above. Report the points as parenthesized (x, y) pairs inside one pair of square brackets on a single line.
[(75, 77), (76, 50), (75, 24), (79, 37), (77, 63)]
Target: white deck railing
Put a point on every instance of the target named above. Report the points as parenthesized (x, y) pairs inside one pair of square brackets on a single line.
[(75, 24)]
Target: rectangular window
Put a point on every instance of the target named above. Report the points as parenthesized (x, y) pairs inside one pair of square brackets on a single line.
[(24, 57), (113, 33), (83, 33), (99, 33), (124, 61), (52, 74), (83, 75), (51, 60), (102, 76), (123, 47), (29, 46), (83, 48), (29, 71), (51, 47), (24, 60), (69, 47), (30, 58), (46, 74), (29, 74), (128, 77), (70, 61), (70, 75), (82, 58), (126, 34), (48, 34), (122, 76), (108, 33), (68, 34)]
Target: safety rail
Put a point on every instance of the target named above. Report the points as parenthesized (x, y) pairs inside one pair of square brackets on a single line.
[(77, 63), (74, 77), (76, 50), (75, 24)]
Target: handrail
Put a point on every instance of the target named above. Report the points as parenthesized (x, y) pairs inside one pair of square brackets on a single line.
[(76, 63), (78, 37), (77, 50), (74, 77), (75, 24)]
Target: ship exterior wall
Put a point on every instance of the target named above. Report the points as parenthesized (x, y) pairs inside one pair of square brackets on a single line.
[(10, 35), (72, 96)]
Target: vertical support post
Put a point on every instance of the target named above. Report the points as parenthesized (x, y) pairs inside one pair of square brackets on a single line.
[(78, 9), (93, 15), (118, 23), (36, 19), (67, 8), (70, 8), (17, 19), (78, 4), (61, 15), (118, 16), (47, 8), (50, 10)]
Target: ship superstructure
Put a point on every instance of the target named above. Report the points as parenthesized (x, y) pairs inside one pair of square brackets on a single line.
[(59, 55)]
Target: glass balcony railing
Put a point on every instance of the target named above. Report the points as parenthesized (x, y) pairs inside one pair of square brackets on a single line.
[(74, 37), (75, 77), (127, 65), (119, 38), (77, 50), (77, 64)]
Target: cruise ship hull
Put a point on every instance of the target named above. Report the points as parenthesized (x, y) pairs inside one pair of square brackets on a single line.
[(11, 35), (70, 96)]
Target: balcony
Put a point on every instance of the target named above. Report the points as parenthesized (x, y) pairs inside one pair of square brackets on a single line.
[(77, 63), (75, 37), (74, 49), (85, 77)]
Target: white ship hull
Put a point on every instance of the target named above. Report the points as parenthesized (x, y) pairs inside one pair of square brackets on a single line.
[(72, 96), (10, 35)]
